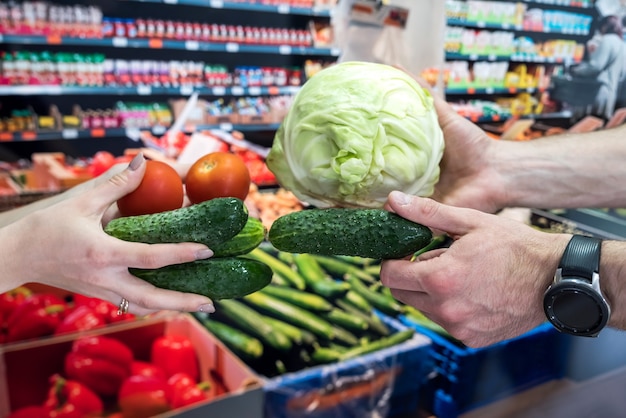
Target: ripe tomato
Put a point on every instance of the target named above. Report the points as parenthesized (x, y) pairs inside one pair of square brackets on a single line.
[(217, 174), (161, 189), (101, 162)]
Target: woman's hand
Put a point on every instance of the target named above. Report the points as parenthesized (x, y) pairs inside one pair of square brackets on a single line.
[(64, 246), (488, 285)]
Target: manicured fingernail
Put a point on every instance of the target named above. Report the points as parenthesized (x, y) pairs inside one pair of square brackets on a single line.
[(400, 198), (136, 162), (202, 254), (207, 308)]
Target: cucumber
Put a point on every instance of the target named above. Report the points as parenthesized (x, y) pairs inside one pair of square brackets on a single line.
[(237, 340), (253, 323), (297, 335), (325, 355), (374, 322), (279, 267), (393, 339), (211, 222), (345, 320), (368, 233), (359, 302), (340, 268), (250, 237), (301, 298), (316, 278), (378, 300), (291, 314), (217, 278)]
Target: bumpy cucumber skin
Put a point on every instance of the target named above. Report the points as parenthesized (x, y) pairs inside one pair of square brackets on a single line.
[(250, 237), (217, 278), (371, 233), (211, 223)]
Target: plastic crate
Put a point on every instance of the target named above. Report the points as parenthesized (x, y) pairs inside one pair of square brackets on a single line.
[(382, 384), (467, 378)]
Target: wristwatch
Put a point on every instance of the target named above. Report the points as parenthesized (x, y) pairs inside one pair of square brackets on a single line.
[(574, 303)]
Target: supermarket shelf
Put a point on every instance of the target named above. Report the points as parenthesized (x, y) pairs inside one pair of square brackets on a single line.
[(455, 56), (132, 133), (516, 28), (144, 90), (502, 118), (157, 43), (574, 5), (244, 6), (490, 90)]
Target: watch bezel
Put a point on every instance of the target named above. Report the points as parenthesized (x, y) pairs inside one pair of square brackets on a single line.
[(583, 287)]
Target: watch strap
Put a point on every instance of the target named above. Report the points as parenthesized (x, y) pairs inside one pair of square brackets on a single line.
[(581, 257)]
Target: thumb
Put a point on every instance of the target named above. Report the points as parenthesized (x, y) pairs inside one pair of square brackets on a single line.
[(120, 184), (428, 212)]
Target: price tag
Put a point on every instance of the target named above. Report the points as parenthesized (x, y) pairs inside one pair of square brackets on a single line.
[(473, 57), (492, 57), (69, 134), (216, 4), (119, 42), (335, 52), (186, 90), (144, 90), (284, 50), (219, 91), (489, 90), (481, 24), (1, 38), (283, 9), (226, 126), (232, 47), (237, 91), (170, 1), (192, 45), (254, 91), (133, 133)]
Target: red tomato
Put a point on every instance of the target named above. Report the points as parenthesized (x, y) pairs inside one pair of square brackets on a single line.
[(217, 174), (160, 190), (101, 162)]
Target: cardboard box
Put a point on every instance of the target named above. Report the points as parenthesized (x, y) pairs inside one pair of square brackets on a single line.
[(50, 172), (26, 367)]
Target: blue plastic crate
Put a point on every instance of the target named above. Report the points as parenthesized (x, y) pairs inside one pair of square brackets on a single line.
[(384, 383), (467, 378)]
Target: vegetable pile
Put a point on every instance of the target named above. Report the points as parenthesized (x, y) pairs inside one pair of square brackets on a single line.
[(355, 132)]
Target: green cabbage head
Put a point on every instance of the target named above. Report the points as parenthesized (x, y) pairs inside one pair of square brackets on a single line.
[(355, 132)]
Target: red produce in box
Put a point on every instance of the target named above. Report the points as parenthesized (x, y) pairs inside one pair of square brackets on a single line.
[(143, 396), (101, 363), (105, 308), (186, 391), (81, 318), (175, 354), (71, 399), (37, 323), (144, 368), (12, 299)]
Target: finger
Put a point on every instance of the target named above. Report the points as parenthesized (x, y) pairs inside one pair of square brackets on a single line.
[(419, 300), (119, 184), (449, 219), (152, 256), (143, 296)]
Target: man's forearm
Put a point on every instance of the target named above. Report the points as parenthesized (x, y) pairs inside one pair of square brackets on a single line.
[(565, 171)]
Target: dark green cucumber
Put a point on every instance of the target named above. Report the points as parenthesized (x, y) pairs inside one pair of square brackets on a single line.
[(279, 267), (291, 314), (345, 320), (235, 339), (385, 342), (217, 278), (339, 268), (301, 298), (368, 233), (253, 323), (316, 278), (297, 335), (250, 237), (374, 322), (325, 355), (344, 337), (211, 223)]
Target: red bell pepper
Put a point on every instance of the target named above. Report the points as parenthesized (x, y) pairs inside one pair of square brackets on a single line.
[(12, 299), (81, 318), (185, 391), (145, 368), (143, 396), (32, 303), (175, 354), (37, 323), (33, 411), (101, 363), (71, 399)]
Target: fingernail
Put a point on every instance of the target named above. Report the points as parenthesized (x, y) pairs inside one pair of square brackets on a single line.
[(207, 308), (400, 198), (136, 162), (202, 254)]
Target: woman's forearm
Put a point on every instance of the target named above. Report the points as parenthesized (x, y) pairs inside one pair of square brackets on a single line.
[(564, 171)]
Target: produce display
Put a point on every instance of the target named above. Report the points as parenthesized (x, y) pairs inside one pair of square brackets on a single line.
[(376, 133), (102, 376), (318, 310)]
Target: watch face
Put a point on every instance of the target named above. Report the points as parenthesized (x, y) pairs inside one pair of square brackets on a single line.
[(576, 308)]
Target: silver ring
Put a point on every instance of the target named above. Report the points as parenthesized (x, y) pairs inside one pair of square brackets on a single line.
[(123, 308)]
